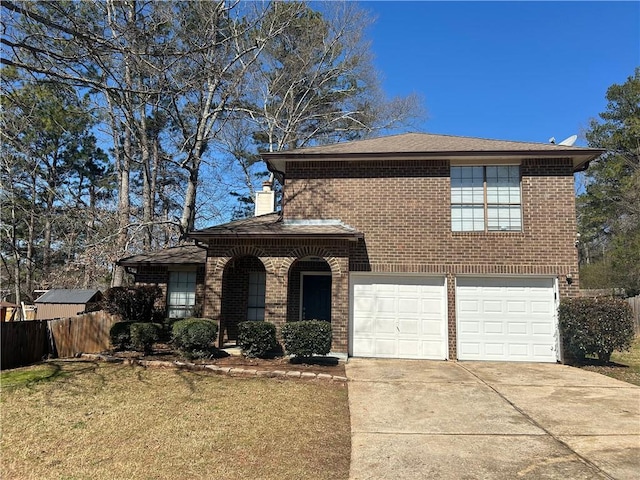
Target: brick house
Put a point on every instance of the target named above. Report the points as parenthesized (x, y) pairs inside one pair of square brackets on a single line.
[(413, 246)]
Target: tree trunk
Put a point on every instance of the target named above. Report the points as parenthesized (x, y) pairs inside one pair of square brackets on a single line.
[(147, 189), (187, 222)]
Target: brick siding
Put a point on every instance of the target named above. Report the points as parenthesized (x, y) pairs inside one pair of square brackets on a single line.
[(280, 260), (403, 209)]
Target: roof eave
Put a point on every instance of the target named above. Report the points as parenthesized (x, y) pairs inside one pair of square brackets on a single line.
[(131, 263), (297, 236), (276, 161)]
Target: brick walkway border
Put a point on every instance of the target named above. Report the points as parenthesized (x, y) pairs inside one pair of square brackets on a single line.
[(229, 371)]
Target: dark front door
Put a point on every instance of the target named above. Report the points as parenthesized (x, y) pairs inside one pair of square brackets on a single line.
[(316, 297)]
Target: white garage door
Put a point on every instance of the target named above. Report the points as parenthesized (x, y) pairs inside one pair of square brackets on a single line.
[(396, 316), (506, 318)]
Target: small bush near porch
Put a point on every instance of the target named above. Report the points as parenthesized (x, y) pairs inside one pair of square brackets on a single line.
[(306, 338), (99, 420)]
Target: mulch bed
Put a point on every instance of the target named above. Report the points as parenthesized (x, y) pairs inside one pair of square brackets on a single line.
[(220, 358)]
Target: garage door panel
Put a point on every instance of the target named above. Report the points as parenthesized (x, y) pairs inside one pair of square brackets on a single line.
[(491, 328), (494, 349), (542, 329), (384, 289), (363, 326), (364, 305), (541, 307), (541, 350), (492, 306), (432, 328), (469, 349), (432, 307), (385, 305), (409, 306), (384, 325), (408, 327), (469, 327), (515, 321), (410, 348), (407, 319), (517, 328), (516, 307), (384, 348), (434, 349), (364, 345), (470, 306)]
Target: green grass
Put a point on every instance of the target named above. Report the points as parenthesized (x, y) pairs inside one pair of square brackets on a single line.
[(27, 377), (86, 420), (624, 366)]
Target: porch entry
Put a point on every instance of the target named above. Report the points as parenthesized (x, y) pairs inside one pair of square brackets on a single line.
[(316, 296)]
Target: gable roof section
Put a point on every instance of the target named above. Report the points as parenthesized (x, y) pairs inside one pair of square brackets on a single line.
[(272, 225), (65, 295), (430, 146), (180, 255)]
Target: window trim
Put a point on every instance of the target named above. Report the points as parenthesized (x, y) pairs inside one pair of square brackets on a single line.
[(486, 206)]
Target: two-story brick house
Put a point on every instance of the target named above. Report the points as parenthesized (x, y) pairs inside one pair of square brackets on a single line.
[(413, 246)]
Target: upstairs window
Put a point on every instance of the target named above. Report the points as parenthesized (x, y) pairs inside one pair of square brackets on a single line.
[(486, 198)]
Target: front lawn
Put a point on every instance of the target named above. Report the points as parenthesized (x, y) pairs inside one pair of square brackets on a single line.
[(624, 366), (86, 420)]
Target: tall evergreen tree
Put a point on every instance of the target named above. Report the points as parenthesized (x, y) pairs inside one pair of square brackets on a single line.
[(609, 210)]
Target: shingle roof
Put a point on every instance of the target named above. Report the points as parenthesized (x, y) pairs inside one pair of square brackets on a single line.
[(180, 255), (272, 225), (430, 145), (64, 295)]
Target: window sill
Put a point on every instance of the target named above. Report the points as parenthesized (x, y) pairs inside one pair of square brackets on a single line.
[(489, 233)]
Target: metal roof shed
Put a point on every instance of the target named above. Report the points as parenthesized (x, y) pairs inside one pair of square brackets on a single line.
[(60, 303)]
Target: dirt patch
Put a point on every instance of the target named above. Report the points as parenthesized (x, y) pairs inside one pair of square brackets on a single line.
[(327, 364)]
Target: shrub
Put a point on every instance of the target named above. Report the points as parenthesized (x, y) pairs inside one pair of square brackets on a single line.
[(194, 336), (307, 338), (120, 335), (144, 335), (256, 338), (595, 326), (135, 304)]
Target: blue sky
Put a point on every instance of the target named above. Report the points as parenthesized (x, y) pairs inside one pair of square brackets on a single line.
[(506, 70)]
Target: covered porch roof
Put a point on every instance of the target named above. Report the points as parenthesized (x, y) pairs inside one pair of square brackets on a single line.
[(272, 226), (180, 255)]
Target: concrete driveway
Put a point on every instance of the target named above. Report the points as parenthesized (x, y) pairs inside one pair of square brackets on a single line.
[(471, 420)]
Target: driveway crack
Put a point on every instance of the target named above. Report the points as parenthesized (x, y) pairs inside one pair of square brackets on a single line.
[(585, 460)]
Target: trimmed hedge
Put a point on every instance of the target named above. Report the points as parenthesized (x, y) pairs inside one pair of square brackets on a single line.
[(257, 338), (144, 335), (194, 336), (306, 338), (135, 304), (120, 335), (595, 326)]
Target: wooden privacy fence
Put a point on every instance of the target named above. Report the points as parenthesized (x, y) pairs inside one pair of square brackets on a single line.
[(635, 306), (87, 333), (23, 343), (28, 342)]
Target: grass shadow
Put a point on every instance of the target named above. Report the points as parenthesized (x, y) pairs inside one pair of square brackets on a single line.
[(594, 362)]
